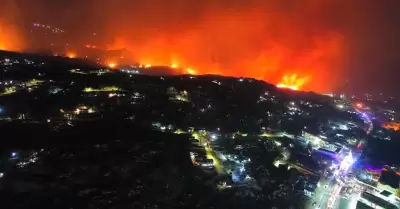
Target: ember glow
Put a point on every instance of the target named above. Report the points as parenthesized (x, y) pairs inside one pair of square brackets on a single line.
[(191, 71), (10, 35), (9, 38), (276, 63), (292, 82), (259, 39), (112, 65), (296, 45), (71, 55), (395, 126)]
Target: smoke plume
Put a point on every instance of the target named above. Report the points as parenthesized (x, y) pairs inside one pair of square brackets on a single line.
[(265, 40), (10, 34), (303, 40)]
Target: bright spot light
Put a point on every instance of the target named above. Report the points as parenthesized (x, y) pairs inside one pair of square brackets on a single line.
[(347, 162), (336, 172), (292, 82), (112, 65), (276, 163), (191, 71), (174, 66), (283, 86), (77, 111), (71, 55), (13, 154), (147, 66), (359, 105)]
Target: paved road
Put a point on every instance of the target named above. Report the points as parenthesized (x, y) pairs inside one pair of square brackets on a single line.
[(204, 141), (322, 194)]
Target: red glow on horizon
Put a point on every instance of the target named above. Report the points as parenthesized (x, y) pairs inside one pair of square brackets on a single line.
[(191, 71), (112, 65), (292, 82), (265, 40), (283, 86), (71, 55), (245, 41), (279, 64), (395, 126), (9, 38)]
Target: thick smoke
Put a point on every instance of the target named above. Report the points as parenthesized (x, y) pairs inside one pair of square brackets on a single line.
[(11, 37), (263, 39)]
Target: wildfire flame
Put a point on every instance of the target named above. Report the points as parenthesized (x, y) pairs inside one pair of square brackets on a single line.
[(292, 82), (9, 38), (71, 55), (294, 46), (191, 71), (112, 65), (392, 125), (248, 43)]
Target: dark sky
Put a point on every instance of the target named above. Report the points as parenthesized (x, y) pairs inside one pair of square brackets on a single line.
[(327, 42)]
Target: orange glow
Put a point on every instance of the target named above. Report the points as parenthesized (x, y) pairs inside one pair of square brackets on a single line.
[(112, 65), (283, 86), (9, 38), (191, 71), (245, 41), (392, 125), (265, 40), (71, 55), (90, 46), (359, 105), (292, 82)]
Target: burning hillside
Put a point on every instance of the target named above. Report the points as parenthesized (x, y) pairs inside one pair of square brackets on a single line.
[(10, 36), (291, 43), (267, 41)]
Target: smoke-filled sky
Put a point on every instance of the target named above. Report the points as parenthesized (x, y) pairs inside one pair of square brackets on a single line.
[(323, 43)]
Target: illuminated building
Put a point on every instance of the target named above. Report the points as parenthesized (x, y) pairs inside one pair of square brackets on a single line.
[(379, 200), (314, 140)]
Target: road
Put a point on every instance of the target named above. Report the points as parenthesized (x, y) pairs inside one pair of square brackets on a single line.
[(205, 142), (328, 196), (322, 194), (334, 196)]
